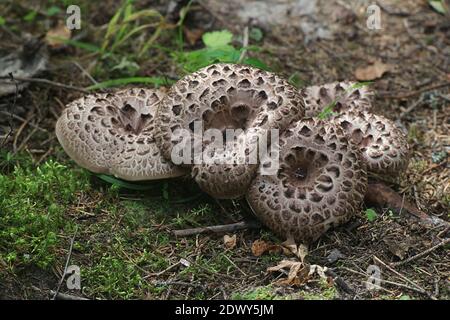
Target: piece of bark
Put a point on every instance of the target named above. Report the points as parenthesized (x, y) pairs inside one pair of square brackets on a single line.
[(380, 195)]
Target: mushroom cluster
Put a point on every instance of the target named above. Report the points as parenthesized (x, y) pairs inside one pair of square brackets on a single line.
[(321, 174)]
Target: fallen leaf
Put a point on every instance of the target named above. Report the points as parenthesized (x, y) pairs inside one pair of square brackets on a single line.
[(297, 274), (316, 269), (372, 72), (193, 35), (438, 6), (259, 247), (56, 36), (290, 247), (229, 242)]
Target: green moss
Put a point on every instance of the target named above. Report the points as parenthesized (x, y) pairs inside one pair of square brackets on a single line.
[(261, 293), (327, 292), (32, 207)]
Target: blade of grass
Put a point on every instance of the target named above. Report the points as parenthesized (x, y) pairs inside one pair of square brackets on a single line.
[(140, 186), (78, 44), (158, 81)]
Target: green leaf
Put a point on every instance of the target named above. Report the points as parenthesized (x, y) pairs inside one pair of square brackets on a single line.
[(405, 297), (79, 44), (126, 64), (194, 60), (371, 215), (158, 81), (2, 21), (30, 16), (217, 38), (437, 6), (53, 10), (359, 85), (256, 63)]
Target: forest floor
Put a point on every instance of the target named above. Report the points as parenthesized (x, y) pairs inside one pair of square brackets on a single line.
[(122, 240)]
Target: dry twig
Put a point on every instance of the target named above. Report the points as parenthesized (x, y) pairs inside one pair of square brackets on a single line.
[(218, 229)]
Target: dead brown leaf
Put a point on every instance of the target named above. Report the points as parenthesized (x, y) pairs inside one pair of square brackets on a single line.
[(290, 247), (297, 274), (229, 242), (373, 71), (259, 247), (193, 35), (56, 36)]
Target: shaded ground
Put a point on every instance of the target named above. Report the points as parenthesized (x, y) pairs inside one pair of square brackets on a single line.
[(123, 241)]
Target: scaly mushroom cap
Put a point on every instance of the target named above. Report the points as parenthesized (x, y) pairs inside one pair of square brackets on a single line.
[(320, 183), (316, 98), (112, 133), (224, 96), (384, 146)]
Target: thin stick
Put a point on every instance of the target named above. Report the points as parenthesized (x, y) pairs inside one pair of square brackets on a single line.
[(376, 259), (157, 274), (23, 120), (410, 108), (401, 285), (87, 74), (65, 296), (405, 95), (218, 229), (422, 254), (244, 45), (72, 240), (45, 81)]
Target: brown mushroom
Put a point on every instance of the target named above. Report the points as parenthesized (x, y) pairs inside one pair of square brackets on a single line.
[(112, 133), (320, 183), (384, 146), (344, 96), (221, 97)]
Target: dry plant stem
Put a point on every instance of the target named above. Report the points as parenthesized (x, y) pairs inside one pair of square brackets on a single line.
[(422, 290), (64, 296), (405, 95), (401, 285), (422, 254), (381, 195), (244, 45), (45, 81), (72, 240), (24, 120), (218, 229)]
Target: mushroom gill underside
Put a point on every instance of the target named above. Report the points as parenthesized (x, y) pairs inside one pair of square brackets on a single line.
[(321, 177)]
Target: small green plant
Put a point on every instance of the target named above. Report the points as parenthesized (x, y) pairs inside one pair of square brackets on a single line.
[(127, 23), (261, 293), (371, 215), (218, 48)]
